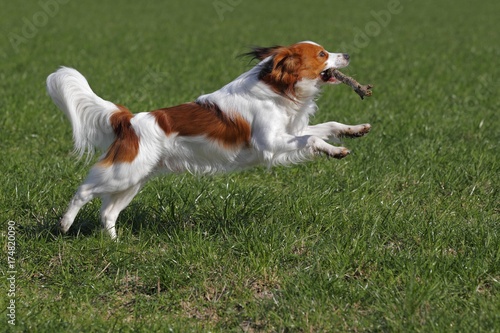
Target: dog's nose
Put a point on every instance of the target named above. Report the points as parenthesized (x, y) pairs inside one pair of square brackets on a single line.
[(346, 56)]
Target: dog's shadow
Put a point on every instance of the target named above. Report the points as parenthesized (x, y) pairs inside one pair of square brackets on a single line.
[(218, 214)]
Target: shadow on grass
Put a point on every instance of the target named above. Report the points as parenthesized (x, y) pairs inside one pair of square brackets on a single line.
[(47, 227), (204, 211), (212, 214)]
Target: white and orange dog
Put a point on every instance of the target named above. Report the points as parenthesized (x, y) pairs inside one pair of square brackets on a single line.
[(262, 117)]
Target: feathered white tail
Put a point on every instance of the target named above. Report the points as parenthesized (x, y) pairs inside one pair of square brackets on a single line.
[(88, 113)]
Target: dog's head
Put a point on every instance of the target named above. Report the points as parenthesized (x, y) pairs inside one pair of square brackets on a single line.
[(282, 67)]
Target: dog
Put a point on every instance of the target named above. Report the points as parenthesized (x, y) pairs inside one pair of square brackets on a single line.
[(260, 118)]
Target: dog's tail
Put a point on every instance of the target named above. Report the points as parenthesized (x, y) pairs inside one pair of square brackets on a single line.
[(88, 113)]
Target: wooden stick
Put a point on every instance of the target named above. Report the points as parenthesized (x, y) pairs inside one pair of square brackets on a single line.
[(362, 90)]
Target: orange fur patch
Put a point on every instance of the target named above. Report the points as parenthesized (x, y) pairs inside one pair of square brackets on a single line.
[(126, 145), (192, 119)]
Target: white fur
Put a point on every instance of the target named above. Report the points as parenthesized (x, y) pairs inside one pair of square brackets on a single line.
[(337, 60), (280, 135), (87, 112)]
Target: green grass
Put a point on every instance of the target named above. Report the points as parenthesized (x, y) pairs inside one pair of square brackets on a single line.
[(401, 236)]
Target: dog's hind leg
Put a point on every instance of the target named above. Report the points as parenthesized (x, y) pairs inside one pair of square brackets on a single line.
[(115, 187), (88, 190), (113, 204), (83, 195)]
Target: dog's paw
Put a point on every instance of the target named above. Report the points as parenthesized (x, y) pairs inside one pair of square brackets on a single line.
[(357, 131), (64, 225), (337, 152), (343, 153)]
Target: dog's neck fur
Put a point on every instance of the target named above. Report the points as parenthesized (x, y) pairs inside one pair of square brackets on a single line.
[(248, 87)]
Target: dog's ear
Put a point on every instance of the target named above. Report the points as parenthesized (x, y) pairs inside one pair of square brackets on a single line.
[(286, 71), (286, 62), (282, 71), (261, 53)]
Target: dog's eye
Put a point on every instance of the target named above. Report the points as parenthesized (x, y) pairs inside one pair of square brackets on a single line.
[(322, 54)]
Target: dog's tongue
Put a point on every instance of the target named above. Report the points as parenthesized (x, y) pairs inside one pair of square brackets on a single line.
[(327, 76), (333, 80)]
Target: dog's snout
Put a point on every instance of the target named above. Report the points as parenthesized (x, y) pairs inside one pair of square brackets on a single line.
[(339, 60)]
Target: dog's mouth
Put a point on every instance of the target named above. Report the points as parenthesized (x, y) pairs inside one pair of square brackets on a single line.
[(327, 76)]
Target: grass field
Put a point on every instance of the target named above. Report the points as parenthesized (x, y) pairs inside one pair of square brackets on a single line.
[(401, 236)]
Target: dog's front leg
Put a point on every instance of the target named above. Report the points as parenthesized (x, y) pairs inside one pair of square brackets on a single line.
[(336, 130), (286, 148), (308, 145), (318, 145)]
